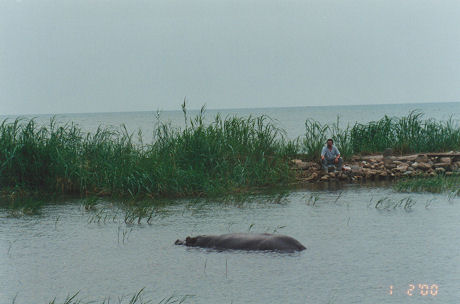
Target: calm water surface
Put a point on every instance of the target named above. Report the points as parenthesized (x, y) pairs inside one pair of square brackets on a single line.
[(355, 253), (292, 120)]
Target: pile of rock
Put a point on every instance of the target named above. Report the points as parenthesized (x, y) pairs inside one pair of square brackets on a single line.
[(381, 167)]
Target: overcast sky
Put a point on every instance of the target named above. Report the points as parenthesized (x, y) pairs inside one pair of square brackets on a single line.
[(102, 56)]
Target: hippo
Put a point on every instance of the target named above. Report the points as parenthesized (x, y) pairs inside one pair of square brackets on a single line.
[(244, 241)]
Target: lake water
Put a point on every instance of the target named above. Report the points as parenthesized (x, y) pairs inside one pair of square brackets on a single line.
[(355, 252), (292, 120)]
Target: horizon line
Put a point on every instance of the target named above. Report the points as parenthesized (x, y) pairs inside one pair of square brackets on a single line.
[(227, 109)]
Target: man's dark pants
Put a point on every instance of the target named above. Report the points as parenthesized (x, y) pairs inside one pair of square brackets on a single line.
[(330, 162)]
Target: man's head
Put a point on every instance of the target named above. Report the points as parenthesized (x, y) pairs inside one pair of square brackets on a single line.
[(330, 142)]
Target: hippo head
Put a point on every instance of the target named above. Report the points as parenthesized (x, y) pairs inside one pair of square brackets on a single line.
[(179, 242), (189, 241)]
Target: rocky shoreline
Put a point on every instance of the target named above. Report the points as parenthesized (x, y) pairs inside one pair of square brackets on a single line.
[(380, 167)]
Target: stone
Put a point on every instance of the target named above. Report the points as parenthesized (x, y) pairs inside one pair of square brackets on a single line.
[(370, 173), (390, 166), (313, 176), (421, 158), (388, 158), (346, 168), (408, 173), (424, 166), (440, 170), (377, 167), (441, 165), (299, 164), (313, 165), (446, 160), (355, 169), (343, 176), (402, 168), (408, 157)]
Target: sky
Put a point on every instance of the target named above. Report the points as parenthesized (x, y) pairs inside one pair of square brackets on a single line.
[(82, 56)]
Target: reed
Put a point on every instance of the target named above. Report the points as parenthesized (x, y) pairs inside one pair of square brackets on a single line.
[(437, 184), (408, 134), (388, 203), (136, 298), (201, 159)]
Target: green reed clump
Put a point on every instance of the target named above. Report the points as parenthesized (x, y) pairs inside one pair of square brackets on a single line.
[(25, 206), (230, 152), (19, 202), (201, 159), (436, 184), (407, 134)]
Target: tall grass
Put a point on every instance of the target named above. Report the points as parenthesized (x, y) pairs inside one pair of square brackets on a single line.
[(200, 159), (408, 134)]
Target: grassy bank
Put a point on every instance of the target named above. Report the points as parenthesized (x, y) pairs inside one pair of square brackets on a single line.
[(408, 134), (227, 155), (437, 184), (201, 159)]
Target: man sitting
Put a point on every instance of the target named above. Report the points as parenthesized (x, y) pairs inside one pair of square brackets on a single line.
[(330, 156)]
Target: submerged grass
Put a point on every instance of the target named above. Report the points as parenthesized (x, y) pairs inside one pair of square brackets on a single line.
[(408, 134), (387, 203), (19, 203), (437, 184), (137, 298), (201, 159)]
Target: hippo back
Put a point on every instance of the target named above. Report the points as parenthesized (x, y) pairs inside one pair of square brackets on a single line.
[(246, 241)]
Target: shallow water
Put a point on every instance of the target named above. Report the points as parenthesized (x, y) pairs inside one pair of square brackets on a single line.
[(355, 252)]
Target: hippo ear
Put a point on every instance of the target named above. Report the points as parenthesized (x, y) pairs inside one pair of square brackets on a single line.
[(190, 241)]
